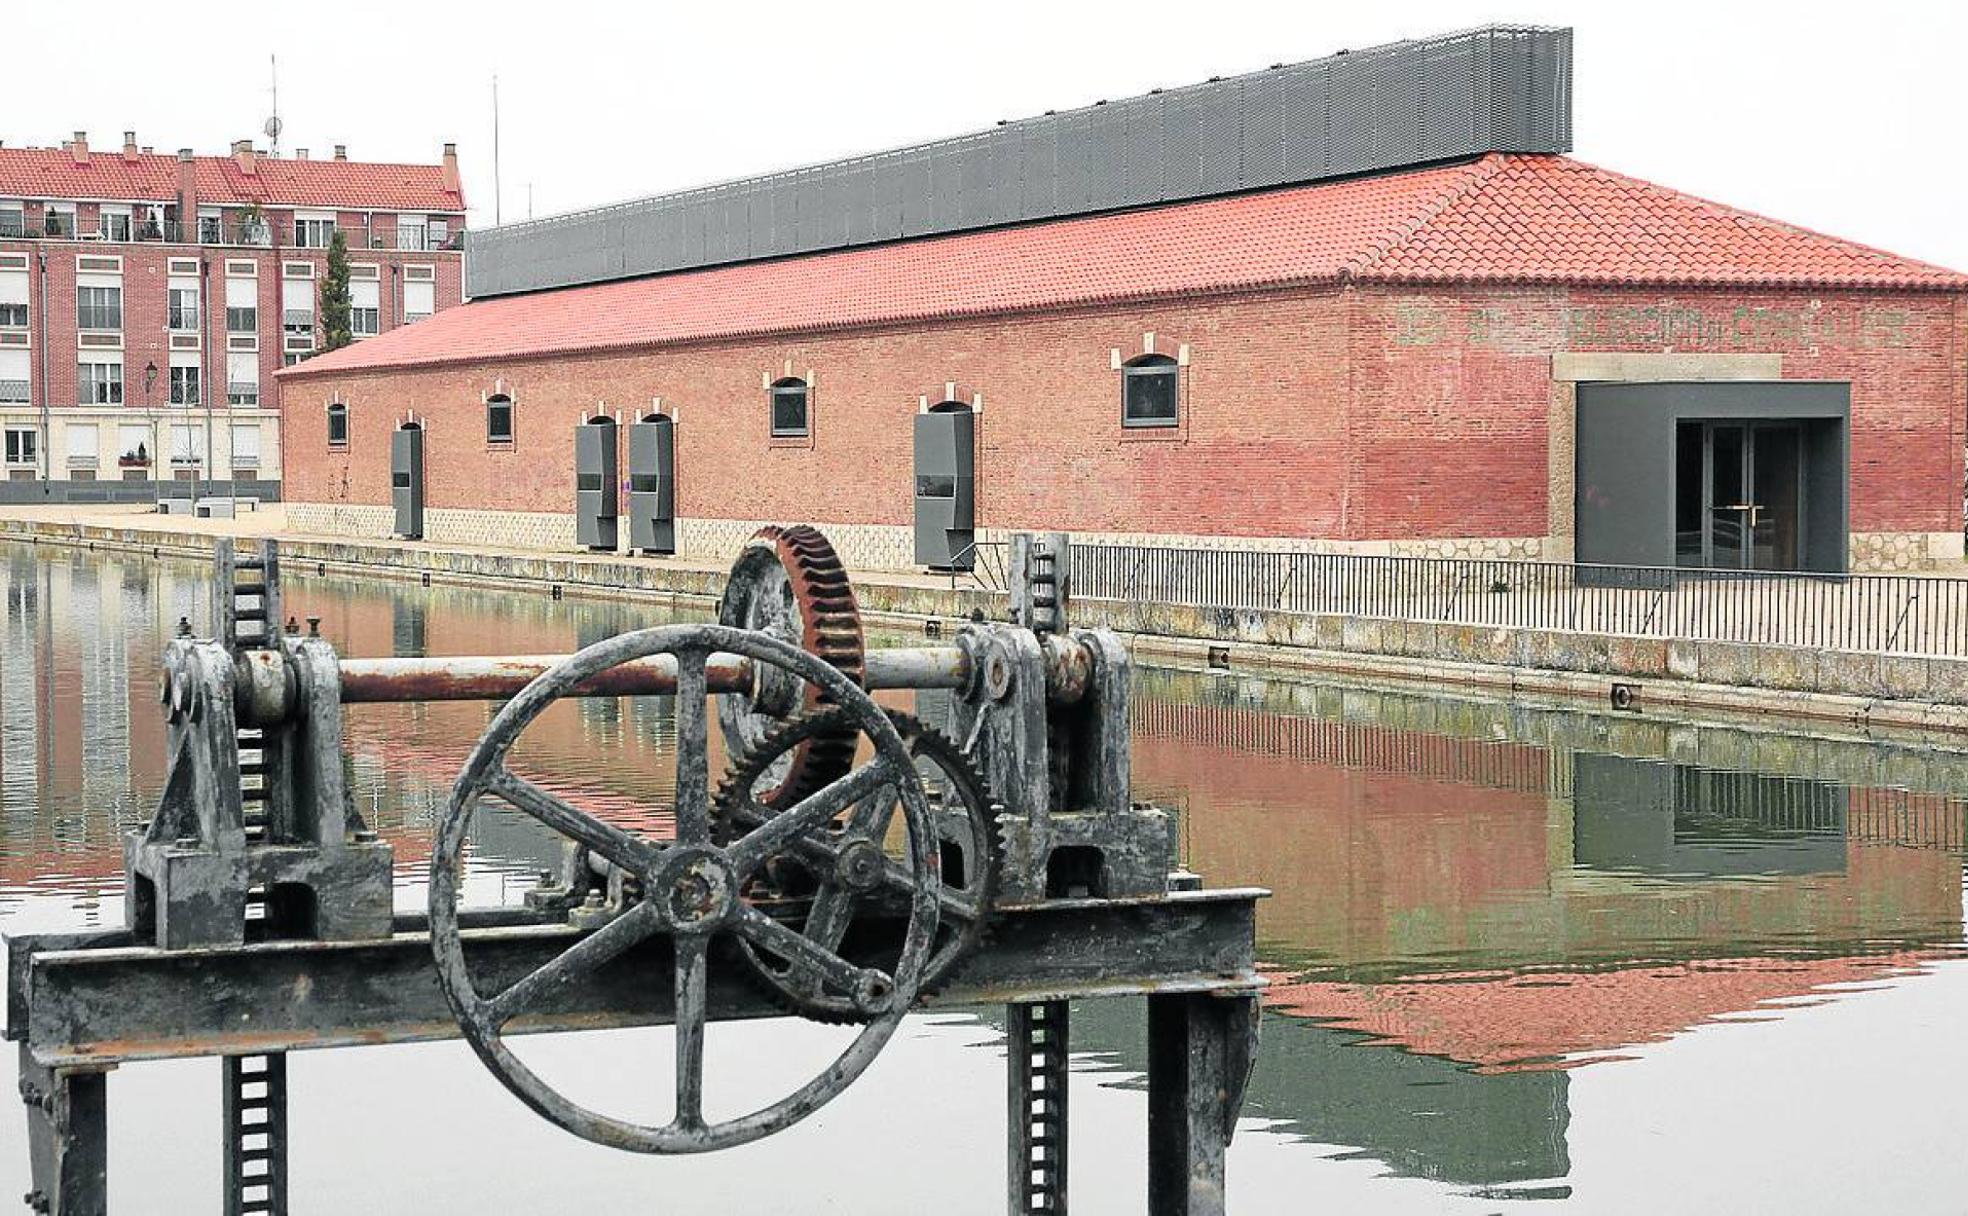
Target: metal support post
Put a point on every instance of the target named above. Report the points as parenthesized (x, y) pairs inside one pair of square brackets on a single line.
[(1036, 1053), (67, 1138), (255, 1093), (1199, 1053)]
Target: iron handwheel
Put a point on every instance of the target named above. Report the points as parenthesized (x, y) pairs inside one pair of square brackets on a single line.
[(832, 875), (692, 889)]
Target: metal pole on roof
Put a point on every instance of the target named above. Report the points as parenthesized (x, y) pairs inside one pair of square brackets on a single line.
[(495, 149)]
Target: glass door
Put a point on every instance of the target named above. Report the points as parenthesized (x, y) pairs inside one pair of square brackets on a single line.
[(1740, 502), (1730, 511), (1776, 480)]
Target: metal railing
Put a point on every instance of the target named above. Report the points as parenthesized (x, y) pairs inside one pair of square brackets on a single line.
[(1868, 613), (13, 391), (209, 231), (181, 319)]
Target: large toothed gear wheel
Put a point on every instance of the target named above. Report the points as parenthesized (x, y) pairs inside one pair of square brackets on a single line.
[(856, 864), (789, 583)]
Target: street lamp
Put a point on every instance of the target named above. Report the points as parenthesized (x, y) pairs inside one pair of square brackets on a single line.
[(156, 444)]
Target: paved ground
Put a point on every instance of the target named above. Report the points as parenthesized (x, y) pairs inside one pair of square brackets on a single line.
[(271, 520)]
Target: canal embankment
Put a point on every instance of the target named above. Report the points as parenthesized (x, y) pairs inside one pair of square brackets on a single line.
[(1871, 690)]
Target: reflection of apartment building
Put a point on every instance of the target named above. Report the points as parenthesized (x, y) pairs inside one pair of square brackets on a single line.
[(146, 301)]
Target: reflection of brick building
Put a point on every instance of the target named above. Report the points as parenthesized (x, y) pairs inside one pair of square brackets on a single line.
[(1535, 1020)]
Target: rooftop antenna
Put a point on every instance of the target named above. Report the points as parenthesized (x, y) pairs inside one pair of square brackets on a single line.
[(495, 149), (273, 123)]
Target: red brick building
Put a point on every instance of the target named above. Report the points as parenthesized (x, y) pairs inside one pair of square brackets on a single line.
[(1385, 363), (146, 301), (1285, 310)]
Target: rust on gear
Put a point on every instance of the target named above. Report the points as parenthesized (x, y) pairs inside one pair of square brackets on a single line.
[(815, 610)]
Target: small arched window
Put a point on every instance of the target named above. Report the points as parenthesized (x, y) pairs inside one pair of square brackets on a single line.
[(789, 415), (1149, 392), (337, 424), (498, 418)]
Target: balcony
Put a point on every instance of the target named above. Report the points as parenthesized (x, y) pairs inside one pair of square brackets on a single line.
[(224, 233)]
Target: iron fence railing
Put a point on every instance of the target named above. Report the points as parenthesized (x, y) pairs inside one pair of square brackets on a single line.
[(1870, 613)]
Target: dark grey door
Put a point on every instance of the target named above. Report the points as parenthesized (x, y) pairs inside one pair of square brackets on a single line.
[(594, 484), (407, 480)]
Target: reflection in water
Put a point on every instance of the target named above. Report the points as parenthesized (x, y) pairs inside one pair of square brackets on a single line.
[(1472, 900)]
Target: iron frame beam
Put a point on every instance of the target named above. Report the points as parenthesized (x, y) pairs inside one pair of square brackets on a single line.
[(97, 1000)]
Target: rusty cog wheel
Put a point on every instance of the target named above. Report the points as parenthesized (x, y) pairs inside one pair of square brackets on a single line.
[(969, 848), (788, 582)]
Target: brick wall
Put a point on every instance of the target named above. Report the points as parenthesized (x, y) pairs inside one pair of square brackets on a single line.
[(1361, 414)]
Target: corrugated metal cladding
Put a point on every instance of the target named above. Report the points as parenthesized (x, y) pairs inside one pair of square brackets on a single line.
[(1498, 89)]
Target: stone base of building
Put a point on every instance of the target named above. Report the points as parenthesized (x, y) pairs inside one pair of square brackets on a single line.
[(1889, 552), (891, 548)]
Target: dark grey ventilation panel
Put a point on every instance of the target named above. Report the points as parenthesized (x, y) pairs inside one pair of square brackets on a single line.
[(1500, 89)]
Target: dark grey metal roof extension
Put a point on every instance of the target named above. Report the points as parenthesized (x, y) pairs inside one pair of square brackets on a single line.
[(1497, 89)]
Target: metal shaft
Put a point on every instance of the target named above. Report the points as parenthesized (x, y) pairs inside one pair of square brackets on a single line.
[(491, 679)]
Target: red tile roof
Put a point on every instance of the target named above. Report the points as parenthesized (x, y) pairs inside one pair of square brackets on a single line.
[(51, 173), (1505, 218)]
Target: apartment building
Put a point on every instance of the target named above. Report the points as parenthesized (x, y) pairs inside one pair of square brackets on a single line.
[(147, 299)]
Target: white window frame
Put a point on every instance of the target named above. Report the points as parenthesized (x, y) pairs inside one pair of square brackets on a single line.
[(19, 455)]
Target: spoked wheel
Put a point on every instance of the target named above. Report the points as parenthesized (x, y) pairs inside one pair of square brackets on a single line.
[(691, 890)]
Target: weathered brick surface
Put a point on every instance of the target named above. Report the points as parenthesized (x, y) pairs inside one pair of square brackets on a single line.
[(1351, 414)]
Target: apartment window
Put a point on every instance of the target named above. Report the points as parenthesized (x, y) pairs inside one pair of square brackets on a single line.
[(99, 307), (14, 315), (290, 358), (133, 445), (187, 443), (337, 424), (15, 365), (789, 403), (1148, 392), (498, 419), (246, 445), (184, 386), (99, 383), (365, 303), (13, 219), (81, 439), (243, 379), (313, 233), (438, 235), (23, 446), (244, 320), (58, 220), (409, 232), (420, 300), (183, 309), (115, 225), (211, 229)]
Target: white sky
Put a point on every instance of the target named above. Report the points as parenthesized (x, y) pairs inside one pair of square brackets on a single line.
[(1846, 118)]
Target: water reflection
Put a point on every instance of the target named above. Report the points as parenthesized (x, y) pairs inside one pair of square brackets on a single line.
[(1472, 899)]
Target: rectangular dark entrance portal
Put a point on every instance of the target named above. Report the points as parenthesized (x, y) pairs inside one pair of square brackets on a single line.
[(1713, 475), (1739, 495)]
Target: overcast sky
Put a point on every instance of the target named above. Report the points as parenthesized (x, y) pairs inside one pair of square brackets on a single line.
[(1846, 118)]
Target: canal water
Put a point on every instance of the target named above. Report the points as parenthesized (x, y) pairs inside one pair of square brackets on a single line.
[(1525, 958)]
